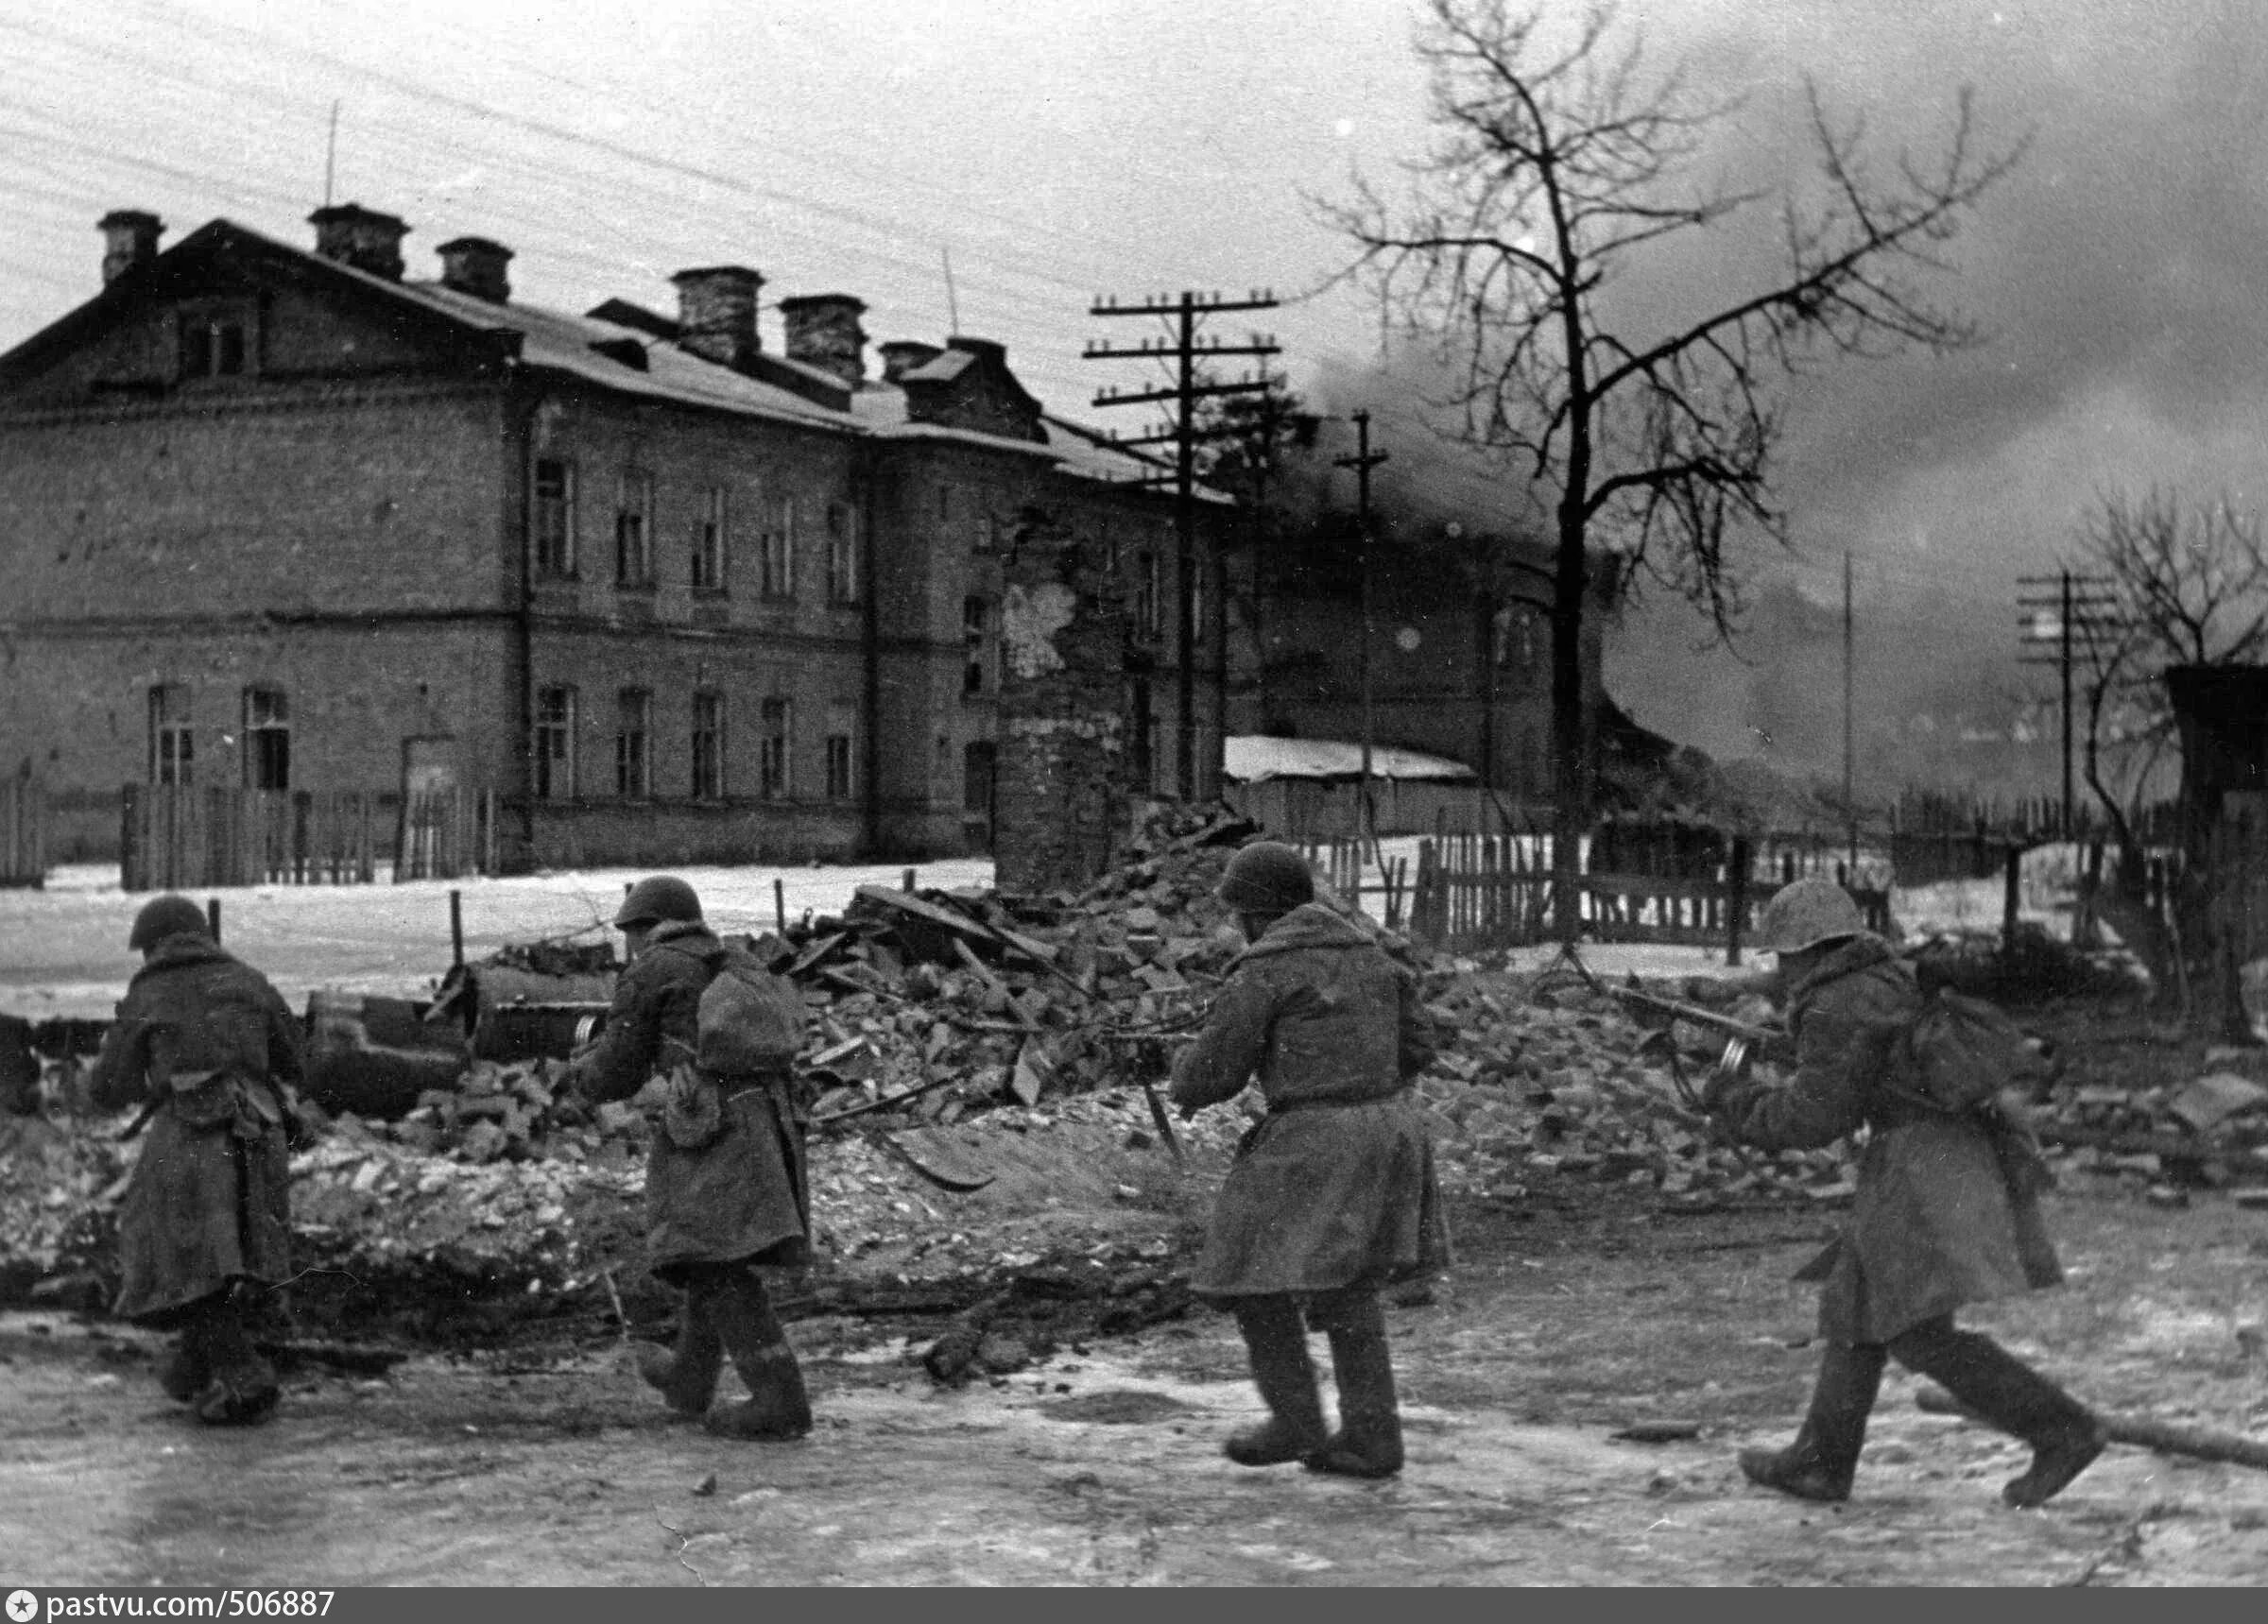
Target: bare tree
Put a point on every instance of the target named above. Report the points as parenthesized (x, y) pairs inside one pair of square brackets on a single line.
[(2186, 584), (1563, 165)]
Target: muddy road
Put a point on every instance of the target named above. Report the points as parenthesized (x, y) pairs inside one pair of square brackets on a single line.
[(1564, 1322)]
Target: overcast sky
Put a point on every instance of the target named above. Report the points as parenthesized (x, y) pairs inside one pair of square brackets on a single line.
[(1062, 149)]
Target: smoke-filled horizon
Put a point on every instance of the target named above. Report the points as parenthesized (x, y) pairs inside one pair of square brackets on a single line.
[(2118, 278)]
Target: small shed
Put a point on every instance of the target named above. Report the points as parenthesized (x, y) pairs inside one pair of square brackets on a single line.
[(1308, 788)]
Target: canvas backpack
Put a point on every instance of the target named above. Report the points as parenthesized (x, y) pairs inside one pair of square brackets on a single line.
[(1964, 1053), (749, 1021)]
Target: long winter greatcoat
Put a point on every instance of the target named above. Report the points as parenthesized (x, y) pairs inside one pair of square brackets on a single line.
[(1935, 1222), (1335, 1186), (741, 1197), (206, 1038)]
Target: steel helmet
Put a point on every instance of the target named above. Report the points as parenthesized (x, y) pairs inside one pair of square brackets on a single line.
[(651, 901), (171, 914), (1807, 912), (1266, 877)]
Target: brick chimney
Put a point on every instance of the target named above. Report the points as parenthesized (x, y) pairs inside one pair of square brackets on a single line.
[(716, 312), (129, 238), (475, 266), (901, 355), (360, 237), (823, 332)]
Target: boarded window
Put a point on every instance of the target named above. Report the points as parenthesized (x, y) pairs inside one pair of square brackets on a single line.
[(553, 517), (708, 747), (839, 778), (266, 740), (976, 643)]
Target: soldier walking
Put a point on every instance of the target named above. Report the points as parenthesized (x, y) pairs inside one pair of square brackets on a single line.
[(724, 1185), (207, 1048), (1946, 1213), (1331, 1194)]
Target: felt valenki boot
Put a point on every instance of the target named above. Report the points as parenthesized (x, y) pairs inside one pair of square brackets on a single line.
[(242, 1390), (1275, 1342), (2003, 1392), (187, 1367), (1368, 1441), (685, 1378), (1824, 1459), (776, 1406)]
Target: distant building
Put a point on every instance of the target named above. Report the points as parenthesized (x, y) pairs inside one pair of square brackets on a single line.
[(292, 519), (1456, 669)]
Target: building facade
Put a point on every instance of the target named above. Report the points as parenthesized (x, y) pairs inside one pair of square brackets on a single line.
[(287, 518)]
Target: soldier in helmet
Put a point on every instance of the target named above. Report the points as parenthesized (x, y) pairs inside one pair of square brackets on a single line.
[(1331, 1194), (730, 1198), (206, 1047), (1941, 1217)]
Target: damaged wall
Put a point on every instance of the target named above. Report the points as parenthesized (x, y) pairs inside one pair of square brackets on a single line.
[(1060, 796)]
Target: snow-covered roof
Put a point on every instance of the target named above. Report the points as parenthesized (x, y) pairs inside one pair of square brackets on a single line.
[(1253, 758)]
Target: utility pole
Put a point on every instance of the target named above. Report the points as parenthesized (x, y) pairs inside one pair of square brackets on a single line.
[(2077, 604), (1850, 804), (1364, 460), (1183, 350)]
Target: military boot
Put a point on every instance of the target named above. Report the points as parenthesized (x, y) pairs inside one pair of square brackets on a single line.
[(2003, 1392), (776, 1406), (187, 1367), (686, 1378), (1368, 1441), (242, 1390), (1824, 1459), (1275, 1340)]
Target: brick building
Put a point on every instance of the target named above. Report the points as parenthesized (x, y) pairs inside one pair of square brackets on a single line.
[(1456, 669), (290, 519)]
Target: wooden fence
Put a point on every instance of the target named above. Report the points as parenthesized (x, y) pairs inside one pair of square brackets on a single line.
[(446, 834), (23, 832)]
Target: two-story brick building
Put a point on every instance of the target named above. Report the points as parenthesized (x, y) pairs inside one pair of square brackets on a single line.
[(289, 518)]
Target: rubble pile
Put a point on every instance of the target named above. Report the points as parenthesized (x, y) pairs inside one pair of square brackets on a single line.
[(2166, 1138)]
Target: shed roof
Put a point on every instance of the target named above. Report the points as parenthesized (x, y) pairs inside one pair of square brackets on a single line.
[(1254, 758)]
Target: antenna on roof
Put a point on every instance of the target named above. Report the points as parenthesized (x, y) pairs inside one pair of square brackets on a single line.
[(331, 156), (953, 303)]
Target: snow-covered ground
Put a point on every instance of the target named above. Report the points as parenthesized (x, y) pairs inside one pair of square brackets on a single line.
[(63, 950)]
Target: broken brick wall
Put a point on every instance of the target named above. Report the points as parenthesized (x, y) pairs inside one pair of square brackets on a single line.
[(1060, 790)]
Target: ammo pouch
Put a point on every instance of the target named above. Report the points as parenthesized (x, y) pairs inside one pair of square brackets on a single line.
[(209, 1101), (693, 1107)]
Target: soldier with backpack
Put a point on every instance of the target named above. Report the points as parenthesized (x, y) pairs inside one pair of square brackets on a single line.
[(1946, 1210), (725, 1184), (208, 1050)]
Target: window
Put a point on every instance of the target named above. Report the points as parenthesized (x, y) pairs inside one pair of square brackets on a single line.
[(779, 545), (838, 766), (553, 517), (633, 777), (842, 553), (172, 745), (266, 740), (979, 760), (976, 637), (983, 533), (944, 503), (1148, 600), (554, 755), (1517, 643), (772, 753), (708, 747), (1110, 558), (633, 531), (709, 544), (212, 344)]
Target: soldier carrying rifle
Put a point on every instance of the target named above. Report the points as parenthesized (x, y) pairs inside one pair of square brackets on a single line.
[(1946, 1210), (1331, 1194)]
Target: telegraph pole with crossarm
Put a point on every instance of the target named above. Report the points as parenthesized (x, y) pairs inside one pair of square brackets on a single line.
[(1183, 350), (2081, 605)]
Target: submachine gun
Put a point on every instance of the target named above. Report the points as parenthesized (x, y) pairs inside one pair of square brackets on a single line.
[(1745, 1041)]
